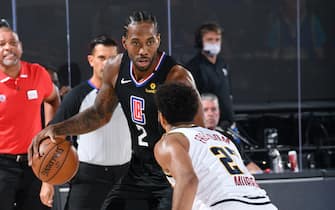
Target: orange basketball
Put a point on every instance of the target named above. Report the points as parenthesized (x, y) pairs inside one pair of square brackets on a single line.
[(57, 163)]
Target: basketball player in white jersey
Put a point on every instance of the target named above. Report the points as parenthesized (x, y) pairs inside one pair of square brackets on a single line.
[(203, 166)]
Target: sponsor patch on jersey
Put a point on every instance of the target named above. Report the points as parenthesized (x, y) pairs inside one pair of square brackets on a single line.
[(152, 88), (137, 105), (32, 94)]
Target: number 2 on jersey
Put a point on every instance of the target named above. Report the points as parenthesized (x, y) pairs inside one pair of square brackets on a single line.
[(223, 153), (140, 138)]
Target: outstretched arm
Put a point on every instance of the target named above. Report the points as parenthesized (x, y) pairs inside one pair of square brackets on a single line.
[(180, 74), (172, 155), (90, 119)]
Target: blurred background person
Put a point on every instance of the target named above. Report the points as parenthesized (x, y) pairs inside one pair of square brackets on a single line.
[(66, 80), (211, 109), (283, 37), (24, 87), (210, 71)]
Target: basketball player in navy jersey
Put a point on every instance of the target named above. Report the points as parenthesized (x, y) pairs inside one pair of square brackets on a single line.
[(132, 79)]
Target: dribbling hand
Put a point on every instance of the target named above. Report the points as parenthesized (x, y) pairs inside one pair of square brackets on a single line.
[(33, 149)]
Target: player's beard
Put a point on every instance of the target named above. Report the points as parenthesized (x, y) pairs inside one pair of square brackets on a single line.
[(141, 67)]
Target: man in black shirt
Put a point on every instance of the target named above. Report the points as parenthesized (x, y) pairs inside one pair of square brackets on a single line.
[(210, 71)]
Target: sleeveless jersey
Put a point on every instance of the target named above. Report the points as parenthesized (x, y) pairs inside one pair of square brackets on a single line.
[(137, 101), (220, 170)]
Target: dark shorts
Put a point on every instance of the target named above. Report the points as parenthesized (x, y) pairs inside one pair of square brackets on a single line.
[(144, 182), (154, 198), (90, 186)]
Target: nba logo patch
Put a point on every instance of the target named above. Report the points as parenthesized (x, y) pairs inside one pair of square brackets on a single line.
[(32, 94), (2, 98), (137, 105)]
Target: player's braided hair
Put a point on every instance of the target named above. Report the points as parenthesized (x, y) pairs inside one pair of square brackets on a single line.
[(137, 17), (177, 102)]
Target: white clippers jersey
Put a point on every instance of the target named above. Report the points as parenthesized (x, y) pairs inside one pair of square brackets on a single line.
[(220, 170)]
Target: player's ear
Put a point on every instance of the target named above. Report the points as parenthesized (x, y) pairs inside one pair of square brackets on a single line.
[(161, 120), (90, 60), (159, 38), (124, 39)]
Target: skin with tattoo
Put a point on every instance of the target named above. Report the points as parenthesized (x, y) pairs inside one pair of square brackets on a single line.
[(141, 42)]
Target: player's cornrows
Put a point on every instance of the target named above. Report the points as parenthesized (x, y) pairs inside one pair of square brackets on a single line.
[(137, 17)]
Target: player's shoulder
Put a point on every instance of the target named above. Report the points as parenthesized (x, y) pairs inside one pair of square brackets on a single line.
[(175, 140), (180, 74), (178, 71)]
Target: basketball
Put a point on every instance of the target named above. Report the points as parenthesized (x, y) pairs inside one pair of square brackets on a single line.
[(57, 163)]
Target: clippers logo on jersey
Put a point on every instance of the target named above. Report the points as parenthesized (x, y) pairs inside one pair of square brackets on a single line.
[(137, 105)]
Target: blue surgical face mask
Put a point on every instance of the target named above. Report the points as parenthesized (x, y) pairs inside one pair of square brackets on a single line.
[(211, 49)]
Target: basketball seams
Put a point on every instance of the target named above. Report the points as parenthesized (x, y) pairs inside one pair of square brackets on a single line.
[(44, 158), (56, 165), (63, 159)]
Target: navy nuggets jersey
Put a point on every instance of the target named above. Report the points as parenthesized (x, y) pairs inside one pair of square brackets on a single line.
[(137, 101)]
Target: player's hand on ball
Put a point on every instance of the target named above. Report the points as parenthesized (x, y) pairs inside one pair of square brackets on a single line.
[(33, 149)]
